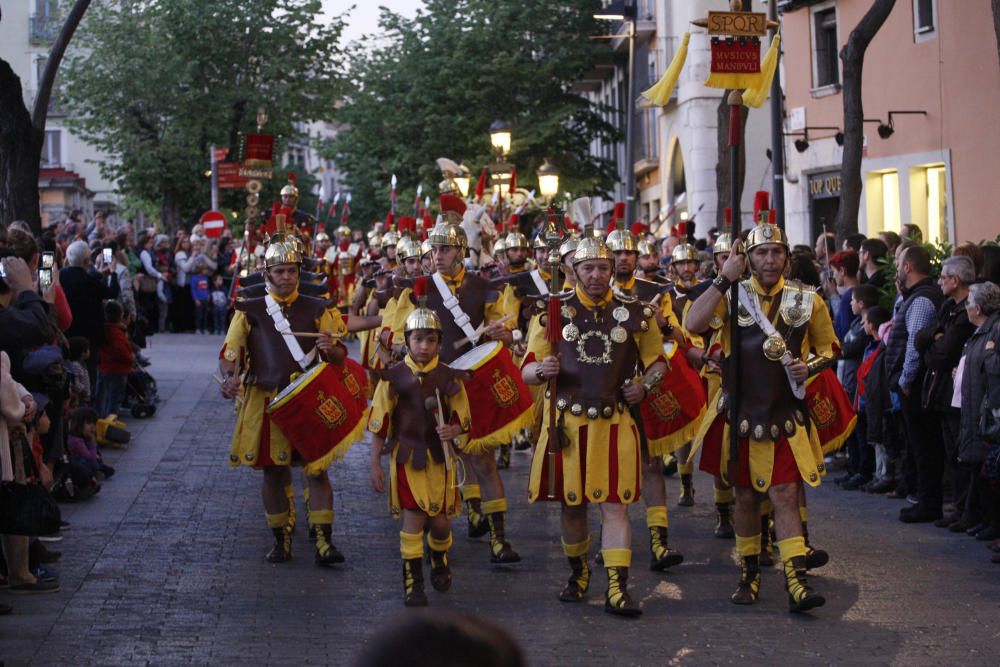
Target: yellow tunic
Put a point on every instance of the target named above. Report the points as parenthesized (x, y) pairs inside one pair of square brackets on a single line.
[(805, 444), (435, 488), (595, 486), (249, 428)]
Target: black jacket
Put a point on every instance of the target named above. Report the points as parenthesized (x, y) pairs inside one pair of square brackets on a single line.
[(980, 376), (23, 325), (942, 353), (86, 290)]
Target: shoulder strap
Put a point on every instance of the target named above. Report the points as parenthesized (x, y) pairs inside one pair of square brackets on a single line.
[(284, 328), (450, 301)]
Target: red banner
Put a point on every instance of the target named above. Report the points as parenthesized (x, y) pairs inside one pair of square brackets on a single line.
[(735, 56)]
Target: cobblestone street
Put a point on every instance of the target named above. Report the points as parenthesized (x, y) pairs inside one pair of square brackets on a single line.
[(166, 567)]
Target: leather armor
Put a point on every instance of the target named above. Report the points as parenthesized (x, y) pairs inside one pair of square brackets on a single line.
[(413, 425), (271, 364), (305, 277), (473, 295), (258, 290)]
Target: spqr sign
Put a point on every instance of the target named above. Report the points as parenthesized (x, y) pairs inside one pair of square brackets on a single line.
[(737, 24)]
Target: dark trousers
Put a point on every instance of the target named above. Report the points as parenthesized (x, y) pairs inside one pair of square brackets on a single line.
[(110, 394), (219, 319), (923, 438), (861, 455), (959, 478)]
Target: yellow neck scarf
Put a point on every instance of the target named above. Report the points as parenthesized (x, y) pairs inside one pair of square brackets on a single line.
[(778, 286), (285, 300), (599, 304), (418, 369)]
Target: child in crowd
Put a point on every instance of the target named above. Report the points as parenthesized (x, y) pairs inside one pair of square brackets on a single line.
[(82, 446), (420, 404), (117, 361), (220, 304), (201, 295), (79, 390), (873, 401)]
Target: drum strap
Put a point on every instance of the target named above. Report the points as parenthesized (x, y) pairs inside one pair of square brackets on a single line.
[(543, 289), (284, 327), (450, 301), (753, 307)]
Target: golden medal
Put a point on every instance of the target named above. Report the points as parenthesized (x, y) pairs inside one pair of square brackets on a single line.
[(774, 348), (618, 334), (570, 332)]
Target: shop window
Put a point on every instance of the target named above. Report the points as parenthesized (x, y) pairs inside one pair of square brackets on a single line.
[(929, 201), (51, 149), (890, 202), (826, 60)]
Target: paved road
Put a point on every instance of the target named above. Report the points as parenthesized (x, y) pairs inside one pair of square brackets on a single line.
[(165, 567)]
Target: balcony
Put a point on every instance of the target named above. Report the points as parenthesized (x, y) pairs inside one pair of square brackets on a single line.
[(43, 30)]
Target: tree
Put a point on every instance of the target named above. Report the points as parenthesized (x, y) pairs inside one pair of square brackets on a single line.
[(995, 5), (853, 57), (431, 87), (162, 80), (22, 134)]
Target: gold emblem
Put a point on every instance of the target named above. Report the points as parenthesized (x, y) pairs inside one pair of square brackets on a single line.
[(375, 424), (799, 417), (504, 390), (626, 495), (282, 456), (607, 411), (331, 410), (576, 409), (758, 432), (822, 411), (644, 325), (571, 497), (351, 383), (775, 432), (620, 314), (774, 348), (435, 508), (821, 467), (647, 312), (570, 332), (592, 413), (233, 458), (619, 335), (744, 427), (230, 354), (813, 477), (248, 456), (789, 427), (561, 404), (761, 482), (598, 493), (568, 311), (665, 405)]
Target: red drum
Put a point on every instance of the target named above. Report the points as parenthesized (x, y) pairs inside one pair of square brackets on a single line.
[(499, 401), (830, 410), (321, 410), (672, 411)]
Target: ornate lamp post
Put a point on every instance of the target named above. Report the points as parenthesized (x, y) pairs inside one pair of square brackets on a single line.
[(548, 181)]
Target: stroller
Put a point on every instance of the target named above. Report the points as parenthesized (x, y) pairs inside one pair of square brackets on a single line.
[(141, 396)]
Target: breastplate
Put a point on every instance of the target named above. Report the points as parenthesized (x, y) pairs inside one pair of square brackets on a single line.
[(413, 425), (271, 364)]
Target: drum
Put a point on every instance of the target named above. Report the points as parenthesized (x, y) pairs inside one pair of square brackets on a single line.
[(499, 400), (321, 411), (672, 412), (830, 410)]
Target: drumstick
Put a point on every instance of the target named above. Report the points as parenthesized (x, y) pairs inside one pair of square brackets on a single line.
[(313, 334), (481, 329), (435, 404)]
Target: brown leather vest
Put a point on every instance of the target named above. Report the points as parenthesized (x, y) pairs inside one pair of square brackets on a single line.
[(647, 291), (260, 289), (767, 407), (473, 295), (413, 425), (593, 368), (305, 277), (271, 364)]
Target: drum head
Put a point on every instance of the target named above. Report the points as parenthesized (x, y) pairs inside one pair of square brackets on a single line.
[(476, 357), (290, 390)]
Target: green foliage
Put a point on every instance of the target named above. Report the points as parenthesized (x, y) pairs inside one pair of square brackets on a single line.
[(430, 87), (162, 80), (938, 252)]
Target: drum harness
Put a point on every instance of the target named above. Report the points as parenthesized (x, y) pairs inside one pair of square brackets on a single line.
[(283, 326), (450, 301)]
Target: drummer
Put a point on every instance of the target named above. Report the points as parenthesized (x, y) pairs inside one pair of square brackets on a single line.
[(472, 302), (596, 459), (422, 477), (256, 362)]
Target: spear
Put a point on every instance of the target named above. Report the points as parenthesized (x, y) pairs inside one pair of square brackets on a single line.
[(392, 194), (416, 201), (553, 334)]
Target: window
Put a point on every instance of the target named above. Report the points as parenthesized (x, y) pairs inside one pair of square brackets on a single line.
[(890, 202), (924, 19), (51, 149), (826, 62)]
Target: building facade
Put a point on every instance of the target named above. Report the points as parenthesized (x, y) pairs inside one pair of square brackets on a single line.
[(676, 146), (931, 88)]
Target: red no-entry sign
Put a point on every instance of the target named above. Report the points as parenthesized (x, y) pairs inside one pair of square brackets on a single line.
[(213, 223)]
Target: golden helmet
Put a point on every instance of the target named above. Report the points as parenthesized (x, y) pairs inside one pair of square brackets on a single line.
[(282, 249), (621, 239), (343, 230), (539, 242), (646, 247), (390, 238), (764, 233), (290, 189), (375, 241), (422, 318), (723, 244), (426, 247), (516, 239), (407, 248), (500, 245), (593, 247), (447, 234), (569, 245), (684, 252), (322, 236)]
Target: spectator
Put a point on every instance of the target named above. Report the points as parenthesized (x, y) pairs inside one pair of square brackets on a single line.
[(980, 390), (86, 288), (116, 361), (24, 319), (871, 253), (854, 343), (201, 295), (182, 307), (853, 242), (941, 347), (874, 403), (845, 266), (915, 310), (82, 445), (973, 252), (911, 232), (991, 263), (147, 283), (164, 262), (891, 241), (79, 353), (220, 304)]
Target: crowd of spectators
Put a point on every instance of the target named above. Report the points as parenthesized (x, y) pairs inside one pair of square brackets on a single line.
[(77, 304)]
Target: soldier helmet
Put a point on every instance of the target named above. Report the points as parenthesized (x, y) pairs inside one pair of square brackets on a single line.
[(684, 252), (322, 236), (765, 231), (723, 244), (282, 249), (592, 247), (620, 238), (290, 188), (421, 317)]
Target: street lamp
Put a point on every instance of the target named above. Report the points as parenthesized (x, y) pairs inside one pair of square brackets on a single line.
[(500, 137), (625, 10), (548, 180)]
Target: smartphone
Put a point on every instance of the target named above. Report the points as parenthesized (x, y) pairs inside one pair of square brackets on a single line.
[(44, 278), (108, 256), (48, 259)]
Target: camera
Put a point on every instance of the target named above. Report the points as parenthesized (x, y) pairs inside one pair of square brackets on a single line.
[(48, 259), (44, 278), (108, 255)]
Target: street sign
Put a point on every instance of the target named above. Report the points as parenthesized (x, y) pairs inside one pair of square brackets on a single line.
[(213, 222), (737, 24)]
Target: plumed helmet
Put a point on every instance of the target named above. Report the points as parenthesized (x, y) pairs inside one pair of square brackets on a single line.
[(622, 239), (448, 234), (426, 247), (290, 188), (684, 252), (407, 248), (723, 244), (645, 247), (765, 231), (592, 247), (282, 249), (322, 236), (516, 239), (421, 317)]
